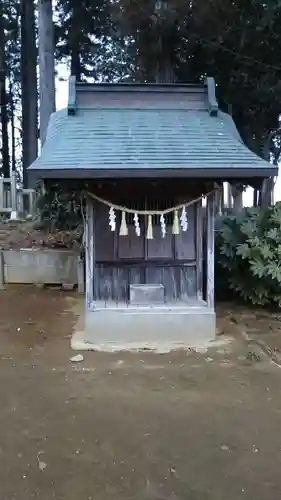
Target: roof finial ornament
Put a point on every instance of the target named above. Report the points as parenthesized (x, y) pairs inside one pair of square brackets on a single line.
[(212, 100)]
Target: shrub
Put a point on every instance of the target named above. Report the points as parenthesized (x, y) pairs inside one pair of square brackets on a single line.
[(60, 209), (248, 254)]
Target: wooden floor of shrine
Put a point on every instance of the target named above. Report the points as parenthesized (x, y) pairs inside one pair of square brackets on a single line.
[(189, 303)]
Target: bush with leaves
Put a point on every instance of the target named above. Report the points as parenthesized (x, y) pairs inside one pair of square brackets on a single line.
[(248, 254), (60, 209)]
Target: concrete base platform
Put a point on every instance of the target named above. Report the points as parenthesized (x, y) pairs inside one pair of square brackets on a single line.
[(158, 328)]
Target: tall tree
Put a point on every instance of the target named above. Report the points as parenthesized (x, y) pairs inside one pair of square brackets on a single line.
[(28, 86), (75, 39), (153, 27), (174, 40), (84, 38), (11, 12), (236, 42), (46, 65), (4, 100), (13, 135)]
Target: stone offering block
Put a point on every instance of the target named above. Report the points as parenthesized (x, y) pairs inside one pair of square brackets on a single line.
[(141, 295)]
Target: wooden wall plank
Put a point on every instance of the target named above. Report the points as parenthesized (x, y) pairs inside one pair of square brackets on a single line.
[(89, 254), (104, 235), (199, 250), (159, 247), (187, 282), (113, 282), (131, 246), (170, 280), (124, 260), (211, 251), (185, 241)]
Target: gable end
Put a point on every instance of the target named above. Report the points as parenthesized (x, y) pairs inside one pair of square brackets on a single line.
[(211, 93)]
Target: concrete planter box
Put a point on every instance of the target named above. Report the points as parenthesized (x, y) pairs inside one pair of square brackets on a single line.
[(50, 266)]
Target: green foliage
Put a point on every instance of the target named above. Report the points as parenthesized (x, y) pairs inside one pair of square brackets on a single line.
[(236, 42), (248, 252), (87, 38), (179, 41), (60, 210)]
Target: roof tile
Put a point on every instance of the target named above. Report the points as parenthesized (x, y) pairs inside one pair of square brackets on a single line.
[(146, 138)]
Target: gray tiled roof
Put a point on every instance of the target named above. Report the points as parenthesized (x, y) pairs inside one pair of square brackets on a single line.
[(142, 139)]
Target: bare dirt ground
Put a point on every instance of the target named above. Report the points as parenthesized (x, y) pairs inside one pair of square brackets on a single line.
[(16, 235), (187, 426), (262, 326)]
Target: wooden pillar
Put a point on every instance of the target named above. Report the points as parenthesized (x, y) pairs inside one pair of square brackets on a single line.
[(2, 272), (199, 250), (80, 275), (14, 196), (210, 289), (220, 200), (89, 254), (229, 195), (2, 194)]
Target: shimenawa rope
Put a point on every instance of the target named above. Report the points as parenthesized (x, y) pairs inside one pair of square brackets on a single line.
[(149, 212)]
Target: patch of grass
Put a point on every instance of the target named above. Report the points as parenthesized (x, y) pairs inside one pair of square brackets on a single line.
[(253, 356)]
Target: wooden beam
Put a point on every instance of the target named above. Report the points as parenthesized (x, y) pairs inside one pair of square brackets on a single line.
[(80, 275), (137, 263), (221, 207), (89, 253), (212, 100), (71, 106), (199, 250), (211, 251)]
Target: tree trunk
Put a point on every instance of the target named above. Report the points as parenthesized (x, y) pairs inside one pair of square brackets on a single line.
[(237, 194), (3, 103), (75, 66), (267, 188), (266, 193), (164, 72), (46, 65), (13, 137), (4, 125), (74, 41), (238, 202), (28, 86), (256, 197)]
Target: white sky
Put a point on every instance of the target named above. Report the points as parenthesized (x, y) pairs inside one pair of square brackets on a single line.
[(61, 102)]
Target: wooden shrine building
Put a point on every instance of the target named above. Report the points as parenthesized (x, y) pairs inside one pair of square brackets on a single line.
[(146, 156)]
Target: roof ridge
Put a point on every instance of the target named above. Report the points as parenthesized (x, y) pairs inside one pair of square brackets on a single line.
[(206, 88)]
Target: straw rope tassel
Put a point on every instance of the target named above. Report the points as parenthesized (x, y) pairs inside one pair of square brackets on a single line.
[(123, 227), (149, 234), (176, 224)]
